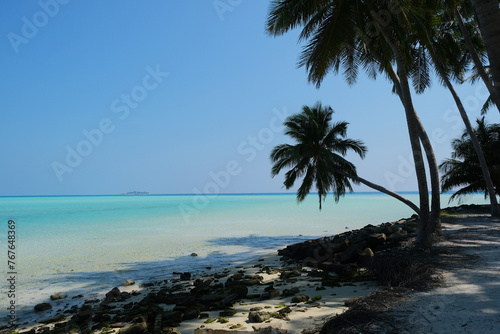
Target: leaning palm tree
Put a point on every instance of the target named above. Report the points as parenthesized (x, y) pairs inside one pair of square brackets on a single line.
[(463, 169), (450, 59), (318, 156), (475, 46), (488, 15), (353, 35)]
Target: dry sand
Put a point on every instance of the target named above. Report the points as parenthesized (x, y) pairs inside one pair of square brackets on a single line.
[(469, 299)]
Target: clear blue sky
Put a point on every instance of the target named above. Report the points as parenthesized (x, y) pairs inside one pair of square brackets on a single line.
[(162, 96)]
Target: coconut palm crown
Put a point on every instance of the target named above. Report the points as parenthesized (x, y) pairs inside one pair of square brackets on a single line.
[(463, 169), (318, 155)]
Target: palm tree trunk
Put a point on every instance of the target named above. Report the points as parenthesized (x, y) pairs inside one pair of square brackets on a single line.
[(424, 236), (424, 239), (435, 218), (434, 173), (383, 190), (495, 209), (475, 58), (488, 19)]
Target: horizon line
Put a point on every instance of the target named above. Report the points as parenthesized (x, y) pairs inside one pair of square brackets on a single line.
[(220, 194)]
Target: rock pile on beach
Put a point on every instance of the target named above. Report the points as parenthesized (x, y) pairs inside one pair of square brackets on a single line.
[(354, 248)]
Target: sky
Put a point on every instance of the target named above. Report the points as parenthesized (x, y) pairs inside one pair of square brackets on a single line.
[(172, 97)]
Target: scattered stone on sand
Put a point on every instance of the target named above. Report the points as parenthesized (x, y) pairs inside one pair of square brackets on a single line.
[(259, 316), (42, 307), (57, 296), (128, 283), (112, 296), (300, 299)]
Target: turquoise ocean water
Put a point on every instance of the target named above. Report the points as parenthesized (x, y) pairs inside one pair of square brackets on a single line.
[(88, 244)]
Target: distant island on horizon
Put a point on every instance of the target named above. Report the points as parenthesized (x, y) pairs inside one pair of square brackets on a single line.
[(137, 193)]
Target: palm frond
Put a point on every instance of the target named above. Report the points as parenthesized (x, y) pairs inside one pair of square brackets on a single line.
[(317, 156)]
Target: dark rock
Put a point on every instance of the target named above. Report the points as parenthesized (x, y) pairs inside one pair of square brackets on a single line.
[(290, 292), (300, 299), (125, 296), (42, 307), (290, 273), (186, 276), (365, 255), (259, 316), (331, 281), (376, 239), (191, 313), (410, 227), (332, 266), (274, 293), (72, 310), (100, 317), (172, 316), (211, 298), (84, 315), (229, 299), (257, 308), (340, 245), (194, 254), (240, 290), (92, 301), (112, 296), (227, 313), (219, 276), (397, 236), (351, 254), (51, 320), (361, 237), (178, 299), (249, 281), (198, 281), (285, 310), (217, 286), (200, 289), (393, 229)]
